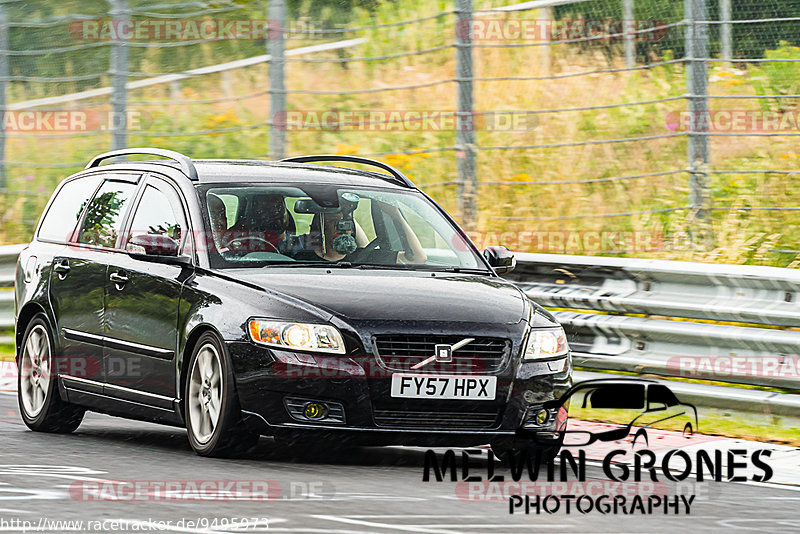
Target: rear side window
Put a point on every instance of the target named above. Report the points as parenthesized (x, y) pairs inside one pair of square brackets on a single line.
[(103, 219), (65, 210), (155, 215)]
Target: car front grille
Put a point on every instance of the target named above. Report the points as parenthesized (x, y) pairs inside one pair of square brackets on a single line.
[(397, 418), (400, 352)]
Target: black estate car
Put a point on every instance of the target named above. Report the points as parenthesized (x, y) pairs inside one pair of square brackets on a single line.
[(306, 301)]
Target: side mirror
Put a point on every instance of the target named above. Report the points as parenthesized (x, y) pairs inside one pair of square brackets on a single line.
[(500, 258), (156, 248)]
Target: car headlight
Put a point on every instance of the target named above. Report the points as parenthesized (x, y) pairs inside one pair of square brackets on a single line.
[(297, 336), (546, 343)]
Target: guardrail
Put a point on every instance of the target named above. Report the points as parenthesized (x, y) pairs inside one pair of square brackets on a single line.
[(8, 265), (652, 317), (603, 338)]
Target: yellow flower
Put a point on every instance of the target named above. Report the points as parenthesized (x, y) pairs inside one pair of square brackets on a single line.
[(344, 149)]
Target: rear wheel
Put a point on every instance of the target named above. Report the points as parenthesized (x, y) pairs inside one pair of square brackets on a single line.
[(213, 416), (40, 405)]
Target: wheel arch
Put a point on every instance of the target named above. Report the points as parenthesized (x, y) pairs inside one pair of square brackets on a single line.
[(24, 318), (185, 355)]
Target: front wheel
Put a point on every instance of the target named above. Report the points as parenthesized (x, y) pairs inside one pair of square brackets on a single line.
[(40, 405), (213, 416)]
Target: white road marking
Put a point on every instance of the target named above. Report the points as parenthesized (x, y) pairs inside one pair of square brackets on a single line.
[(386, 526), (435, 528)]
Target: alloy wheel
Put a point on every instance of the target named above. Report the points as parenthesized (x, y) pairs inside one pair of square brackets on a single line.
[(205, 393)]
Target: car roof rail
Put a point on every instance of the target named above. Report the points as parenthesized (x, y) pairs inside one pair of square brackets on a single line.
[(397, 175), (184, 161)]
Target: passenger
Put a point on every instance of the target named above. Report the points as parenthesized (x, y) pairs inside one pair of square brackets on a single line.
[(338, 244)]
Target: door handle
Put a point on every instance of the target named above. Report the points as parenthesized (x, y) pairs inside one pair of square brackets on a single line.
[(62, 269), (118, 278)]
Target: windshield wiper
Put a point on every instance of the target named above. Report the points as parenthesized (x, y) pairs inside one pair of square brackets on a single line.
[(451, 269), (383, 266), (339, 264)]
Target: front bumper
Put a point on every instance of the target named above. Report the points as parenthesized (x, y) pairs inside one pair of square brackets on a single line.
[(266, 377)]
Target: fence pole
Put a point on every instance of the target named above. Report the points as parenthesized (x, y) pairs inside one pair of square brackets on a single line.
[(4, 70), (465, 131), (119, 80), (277, 80), (725, 30), (546, 19), (697, 146), (628, 23)]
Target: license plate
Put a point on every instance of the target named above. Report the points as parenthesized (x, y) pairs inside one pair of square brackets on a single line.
[(443, 387)]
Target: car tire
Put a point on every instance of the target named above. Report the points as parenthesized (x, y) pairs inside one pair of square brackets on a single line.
[(211, 405), (40, 403)]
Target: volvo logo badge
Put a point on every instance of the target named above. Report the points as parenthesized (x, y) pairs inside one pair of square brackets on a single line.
[(444, 353)]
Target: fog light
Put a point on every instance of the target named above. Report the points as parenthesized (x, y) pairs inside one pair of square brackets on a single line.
[(315, 410), (541, 416), (318, 411)]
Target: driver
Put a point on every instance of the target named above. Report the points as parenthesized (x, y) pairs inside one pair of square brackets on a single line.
[(219, 221), (263, 227)]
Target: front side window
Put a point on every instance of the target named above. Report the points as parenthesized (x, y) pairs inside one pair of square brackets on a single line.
[(103, 219), (155, 216), (61, 218), (259, 225)]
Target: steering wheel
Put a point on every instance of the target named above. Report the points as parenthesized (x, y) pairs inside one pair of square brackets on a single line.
[(236, 244)]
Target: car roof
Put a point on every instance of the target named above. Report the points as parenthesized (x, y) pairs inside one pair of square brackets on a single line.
[(232, 171)]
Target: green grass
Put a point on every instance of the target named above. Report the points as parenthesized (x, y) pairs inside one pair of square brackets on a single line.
[(755, 427), (714, 422)]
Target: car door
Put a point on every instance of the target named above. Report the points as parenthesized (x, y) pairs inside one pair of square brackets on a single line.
[(78, 276), (142, 299)]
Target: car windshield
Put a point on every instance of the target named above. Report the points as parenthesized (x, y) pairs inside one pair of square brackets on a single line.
[(324, 225)]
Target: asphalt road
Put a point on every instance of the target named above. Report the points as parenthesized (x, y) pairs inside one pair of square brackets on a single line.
[(43, 479)]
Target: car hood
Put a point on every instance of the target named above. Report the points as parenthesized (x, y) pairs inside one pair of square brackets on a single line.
[(395, 295)]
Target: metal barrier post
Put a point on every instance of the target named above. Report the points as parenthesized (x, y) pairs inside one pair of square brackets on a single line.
[(629, 24), (119, 81), (725, 30), (465, 125), (277, 80), (697, 83)]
